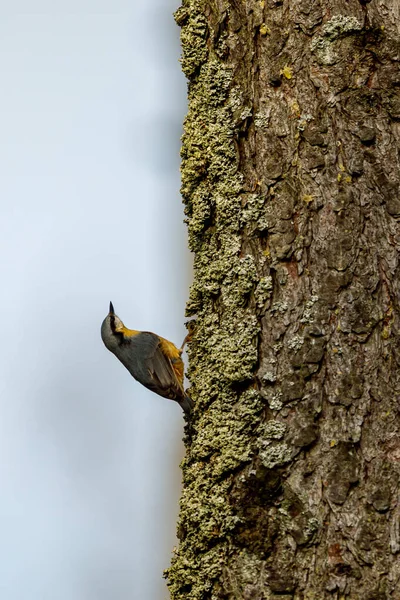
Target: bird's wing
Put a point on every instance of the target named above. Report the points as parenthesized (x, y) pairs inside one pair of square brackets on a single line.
[(162, 365), (174, 354)]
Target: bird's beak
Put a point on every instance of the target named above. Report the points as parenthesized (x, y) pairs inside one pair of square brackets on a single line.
[(111, 309)]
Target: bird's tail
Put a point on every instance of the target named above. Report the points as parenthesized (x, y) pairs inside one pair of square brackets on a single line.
[(187, 405)]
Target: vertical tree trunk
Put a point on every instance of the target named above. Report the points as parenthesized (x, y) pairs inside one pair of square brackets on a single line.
[(290, 177)]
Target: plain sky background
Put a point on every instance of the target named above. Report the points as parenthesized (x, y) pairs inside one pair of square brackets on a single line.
[(92, 103)]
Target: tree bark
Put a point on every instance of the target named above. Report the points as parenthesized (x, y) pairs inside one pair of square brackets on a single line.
[(290, 179)]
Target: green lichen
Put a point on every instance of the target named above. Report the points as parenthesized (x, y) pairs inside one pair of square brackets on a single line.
[(206, 518), (304, 119), (272, 430), (193, 40), (224, 349), (261, 120), (231, 347), (295, 343), (338, 27), (245, 114), (280, 307), (235, 98), (269, 377), (308, 310), (222, 433), (271, 453), (229, 342), (252, 210), (311, 528), (277, 455), (263, 291), (274, 399)]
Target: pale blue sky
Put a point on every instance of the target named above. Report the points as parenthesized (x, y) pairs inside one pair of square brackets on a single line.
[(91, 109)]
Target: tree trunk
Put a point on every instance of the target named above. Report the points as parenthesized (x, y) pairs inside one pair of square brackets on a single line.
[(290, 178)]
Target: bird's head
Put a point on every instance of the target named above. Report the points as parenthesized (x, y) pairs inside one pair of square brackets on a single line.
[(112, 330)]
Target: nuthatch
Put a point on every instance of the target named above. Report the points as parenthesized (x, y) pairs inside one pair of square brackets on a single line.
[(153, 361)]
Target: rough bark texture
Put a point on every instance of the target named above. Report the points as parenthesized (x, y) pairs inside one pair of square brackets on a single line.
[(290, 177)]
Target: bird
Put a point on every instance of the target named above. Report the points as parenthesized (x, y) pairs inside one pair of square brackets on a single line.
[(152, 360)]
